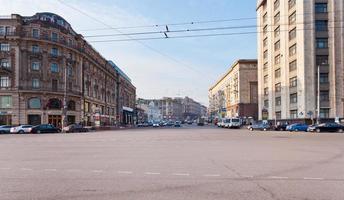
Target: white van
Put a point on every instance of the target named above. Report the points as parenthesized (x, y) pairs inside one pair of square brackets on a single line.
[(235, 123), (226, 123)]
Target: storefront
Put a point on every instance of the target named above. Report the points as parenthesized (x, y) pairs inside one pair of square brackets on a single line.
[(128, 115), (55, 120), (5, 118), (34, 119)]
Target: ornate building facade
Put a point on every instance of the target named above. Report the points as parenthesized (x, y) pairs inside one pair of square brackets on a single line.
[(51, 74)]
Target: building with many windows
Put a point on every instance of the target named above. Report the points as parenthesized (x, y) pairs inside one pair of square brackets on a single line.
[(50, 74), (235, 94), (295, 39)]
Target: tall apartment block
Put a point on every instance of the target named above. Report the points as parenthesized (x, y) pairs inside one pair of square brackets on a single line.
[(299, 41)]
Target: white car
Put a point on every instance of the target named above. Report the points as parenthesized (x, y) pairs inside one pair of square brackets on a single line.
[(156, 124), (21, 129)]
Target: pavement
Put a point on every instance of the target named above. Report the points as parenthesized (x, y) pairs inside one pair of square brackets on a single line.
[(172, 163)]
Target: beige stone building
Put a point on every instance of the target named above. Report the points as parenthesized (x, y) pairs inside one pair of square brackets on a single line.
[(235, 94), (295, 38), (50, 74)]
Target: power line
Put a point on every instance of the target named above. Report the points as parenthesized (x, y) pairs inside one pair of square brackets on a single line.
[(129, 37)]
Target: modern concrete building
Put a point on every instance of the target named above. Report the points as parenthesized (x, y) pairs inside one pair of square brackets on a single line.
[(50, 74), (295, 38), (235, 94)]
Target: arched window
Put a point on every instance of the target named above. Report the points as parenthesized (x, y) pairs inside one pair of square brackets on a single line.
[(34, 103), (71, 105), (54, 104)]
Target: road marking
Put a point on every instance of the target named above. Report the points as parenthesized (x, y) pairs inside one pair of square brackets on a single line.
[(180, 174), (97, 171), (278, 177), (152, 173), (50, 170), (212, 175), (26, 169), (124, 172), (310, 178), (247, 176), (5, 168)]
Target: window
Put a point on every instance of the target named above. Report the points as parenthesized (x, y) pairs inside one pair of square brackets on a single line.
[(54, 84), (5, 101), (54, 67), (266, 91), (277, 18), (34, 103), (323, 77), (70, 71), (324, 113), (291, 3), (321, 60), (293, 114), (54, 37), (265, 42), (4, 47), (71, 105), (277, 32), (35, 83), (324, 95), (2, 30), (293, 66), (266, 103), (70, 85), (87, 107), (277, 59), (292, 34), (35, 65), (54, 52), (278, 115), (265, 29), (320, 7), (265, 17), (35, 33), (35, 49), (293, 98), (54, 104), (321, 25), (265, 67), (278, 87), (266, 77), (293, 82), (278, 73), (292, 18), (4, 63), (276, 4), (4, 81), (292, 50), (278, 101), (265, 55), (321, 43), (277, 45)]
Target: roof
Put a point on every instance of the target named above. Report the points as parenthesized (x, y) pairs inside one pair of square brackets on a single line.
[(119, 70), (240, 61)]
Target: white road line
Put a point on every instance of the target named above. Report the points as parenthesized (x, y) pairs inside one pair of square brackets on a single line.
[(5, 168), (26, 169), (50, 170), (278, 177), (97, 171), (212, 175), (152, 173), (124, 172), (247, 176), (310, 178), (180, 174)]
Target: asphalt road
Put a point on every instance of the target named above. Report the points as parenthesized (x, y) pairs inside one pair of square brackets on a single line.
[(178, 163)]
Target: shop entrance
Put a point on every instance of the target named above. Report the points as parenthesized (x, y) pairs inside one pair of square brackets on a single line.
[(71, 119), (5, 119), (34, 119), (55, 120)]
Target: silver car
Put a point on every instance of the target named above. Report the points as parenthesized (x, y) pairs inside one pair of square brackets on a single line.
[(21, 129)]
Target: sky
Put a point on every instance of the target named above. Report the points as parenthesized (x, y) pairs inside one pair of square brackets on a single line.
[(158, 68)]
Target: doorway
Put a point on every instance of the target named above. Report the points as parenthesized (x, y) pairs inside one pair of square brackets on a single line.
[(55, 120)]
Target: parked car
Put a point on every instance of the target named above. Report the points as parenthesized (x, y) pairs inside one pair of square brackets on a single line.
[(5, 129), (75, 128), (234, 123), (177, 124), (45, 128), (221, 123), (327, 127), (259, 126), (297, 127), (156, 124), (281, 127), (170, 123), (190, 122), (21, 129)]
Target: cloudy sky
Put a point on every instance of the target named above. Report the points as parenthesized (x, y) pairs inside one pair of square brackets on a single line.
[(167, 67)]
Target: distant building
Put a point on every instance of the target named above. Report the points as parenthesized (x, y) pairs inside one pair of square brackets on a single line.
[(236, 93)]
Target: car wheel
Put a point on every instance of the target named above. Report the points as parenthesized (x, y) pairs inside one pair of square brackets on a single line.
[(264, 129), (21, 132), (38, 131), (296, 130), (281, 129), (318, 130), (340, 130), (251, 129)]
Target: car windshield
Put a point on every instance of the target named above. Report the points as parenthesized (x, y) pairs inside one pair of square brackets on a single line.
[(235, 120)]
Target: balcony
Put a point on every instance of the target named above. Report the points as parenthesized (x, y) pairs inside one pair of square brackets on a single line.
[(8, 33), (47, 89)]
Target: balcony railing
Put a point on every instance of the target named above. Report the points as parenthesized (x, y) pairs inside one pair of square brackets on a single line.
[(9, 33), (43, 88)]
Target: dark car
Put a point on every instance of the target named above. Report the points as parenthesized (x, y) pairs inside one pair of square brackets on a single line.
[(297, 127), (75, 128), (261, 127), (177, 124), (281, 127), (45, 128), (327, 127)]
